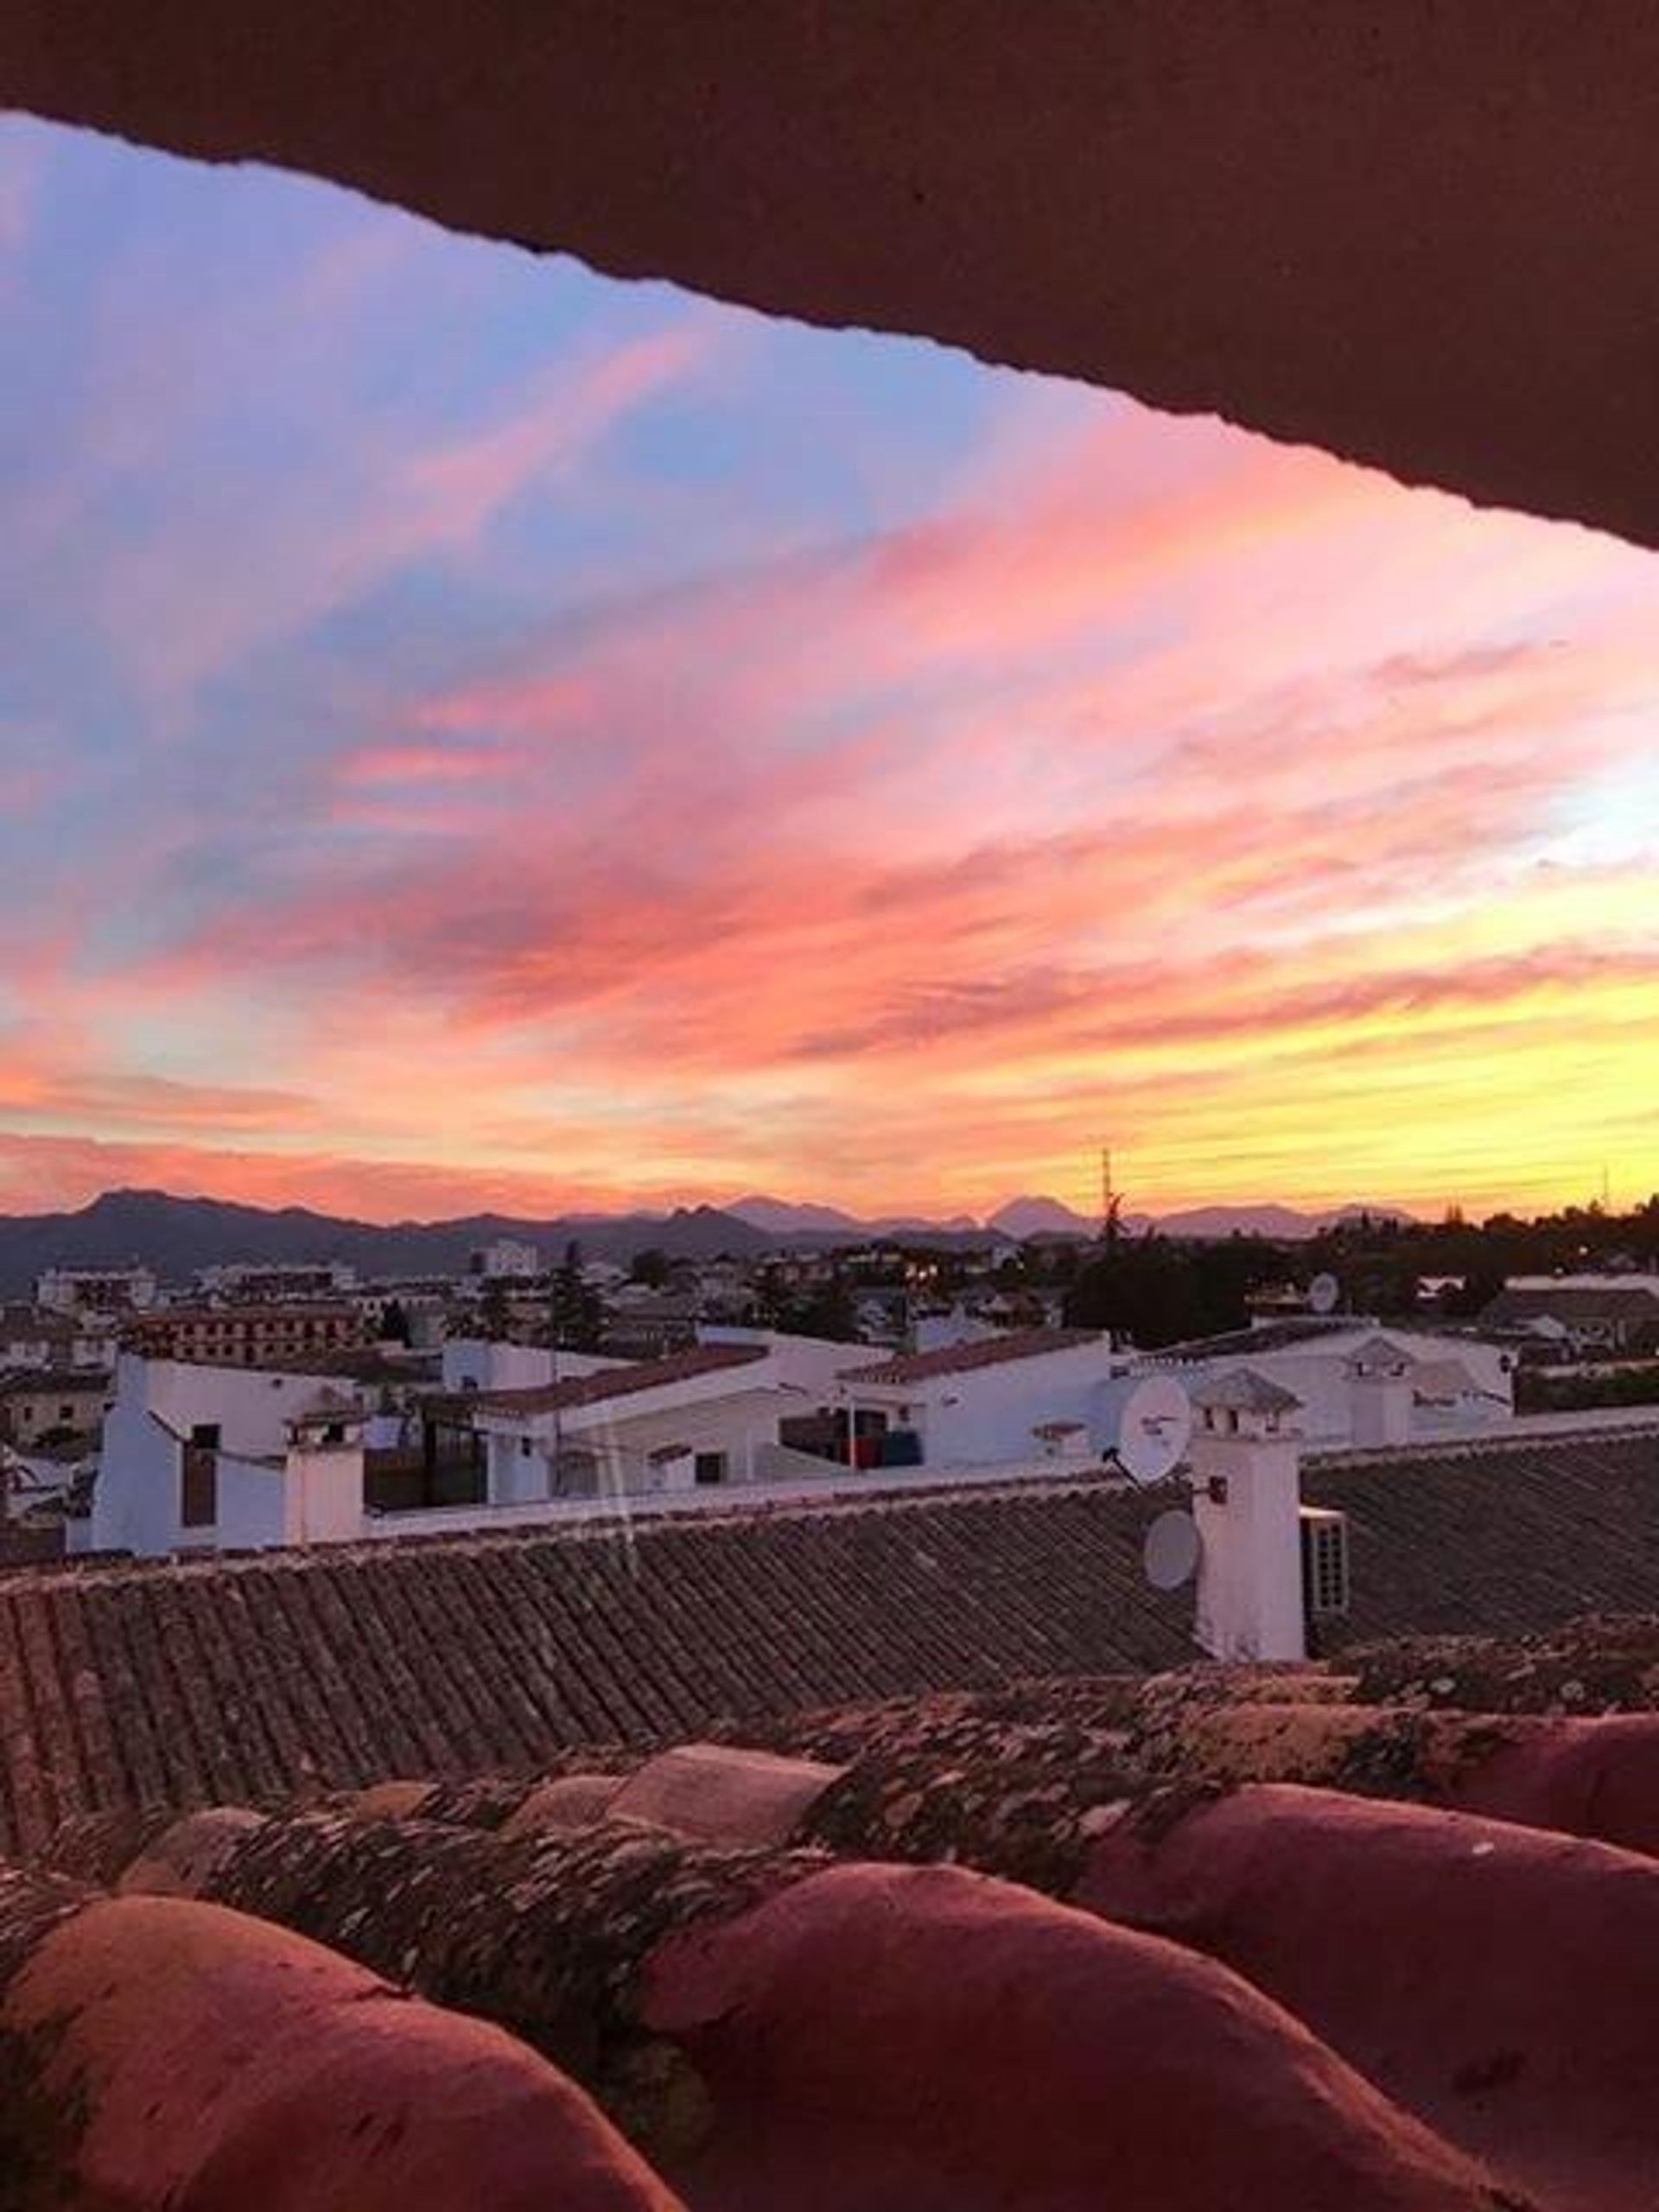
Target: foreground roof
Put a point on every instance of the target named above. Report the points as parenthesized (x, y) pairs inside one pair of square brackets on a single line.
[(135, 1685), (720, 1975), (1501, 1537), (154, 1685)]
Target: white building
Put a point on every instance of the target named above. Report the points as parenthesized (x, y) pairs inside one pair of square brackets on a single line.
[(697, 1418), (33, 1336), (100, 1290), (505, 1257), (197, 1457), (493, 1364), (1360, 1381), (972, 1404), (423, 1301), (936, 1332), (203, 1457), (813, 1364), (277, 1280)]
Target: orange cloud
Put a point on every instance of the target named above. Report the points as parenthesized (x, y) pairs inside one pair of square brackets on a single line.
[(1224, 807)]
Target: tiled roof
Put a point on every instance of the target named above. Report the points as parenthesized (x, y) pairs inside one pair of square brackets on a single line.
[(1242, 1390), (263, 1313), (254, 1679), (964, 1359), (1439, 1382), (1271, 1335), (1379, 1352), (251, 1680), (1408, 1972), (624, 1381), (1497, 1537), (1577, 1302), (39, 1382)]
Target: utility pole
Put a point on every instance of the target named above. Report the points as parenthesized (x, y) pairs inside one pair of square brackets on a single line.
[(1109, 1198)]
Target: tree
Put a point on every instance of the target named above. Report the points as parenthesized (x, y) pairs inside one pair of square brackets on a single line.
[(394, 1323), (1143, 1289), (578, 1316), (1156, 1292), (1474, 1294), (828, 1313), (649, 1268)]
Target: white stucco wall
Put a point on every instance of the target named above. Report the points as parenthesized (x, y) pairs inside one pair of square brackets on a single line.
[(251, 1504), (988, 1414), (479, 1363), (1249, 1597), (809, 1364), (135, 1501)]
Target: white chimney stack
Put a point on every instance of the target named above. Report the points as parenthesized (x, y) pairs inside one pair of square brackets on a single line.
[(322, 1476), (1246, 1468), (1382, 1393)]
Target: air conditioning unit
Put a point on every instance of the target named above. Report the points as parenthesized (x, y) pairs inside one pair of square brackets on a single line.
[(1324, 1563)]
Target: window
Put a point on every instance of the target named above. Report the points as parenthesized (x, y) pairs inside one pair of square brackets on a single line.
[(199, 1478), (709, 1468)]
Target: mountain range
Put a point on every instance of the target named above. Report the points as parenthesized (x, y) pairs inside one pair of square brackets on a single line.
[(176, 1235), (1044, 1217)]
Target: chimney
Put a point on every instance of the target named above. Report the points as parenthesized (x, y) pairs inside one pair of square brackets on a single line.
[(322, 1476), (1246, 1468), (1381, 1392)]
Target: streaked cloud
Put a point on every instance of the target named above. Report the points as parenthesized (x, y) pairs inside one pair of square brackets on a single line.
[(474, 734)]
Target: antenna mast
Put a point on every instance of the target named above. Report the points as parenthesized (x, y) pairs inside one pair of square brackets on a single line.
[(556, 1472)]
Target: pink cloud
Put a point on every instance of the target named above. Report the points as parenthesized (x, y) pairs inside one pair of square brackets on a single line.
[(1080, 799), (424, 764)]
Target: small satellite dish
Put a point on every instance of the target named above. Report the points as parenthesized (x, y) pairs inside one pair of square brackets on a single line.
[(1171, 1553), (1148, 1419), (1323, 1293)]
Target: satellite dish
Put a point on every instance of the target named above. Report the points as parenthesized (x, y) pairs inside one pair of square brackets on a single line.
[(1323, 1293), (1172, 1551), (1148, 1421)]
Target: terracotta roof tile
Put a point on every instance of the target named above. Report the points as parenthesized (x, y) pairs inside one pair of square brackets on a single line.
[(135, 1687), (1242, 1389), (967, 1359), (1503, 1537), (755, 2017), (253, 1680), (622, 1382)]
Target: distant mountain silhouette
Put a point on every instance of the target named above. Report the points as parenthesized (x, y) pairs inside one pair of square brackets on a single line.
[(177, 1235), (785, 1218), (1043, 1217), (778, 1216)]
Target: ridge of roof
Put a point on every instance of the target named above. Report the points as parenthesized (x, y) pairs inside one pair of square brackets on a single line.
[(965, 1358), (1242, 1390), (625, 1381)]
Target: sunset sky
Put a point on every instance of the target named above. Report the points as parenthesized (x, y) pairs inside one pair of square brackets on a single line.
[(473, 733)]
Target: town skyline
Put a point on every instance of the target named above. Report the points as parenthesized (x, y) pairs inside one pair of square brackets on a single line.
[(474, 736)]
